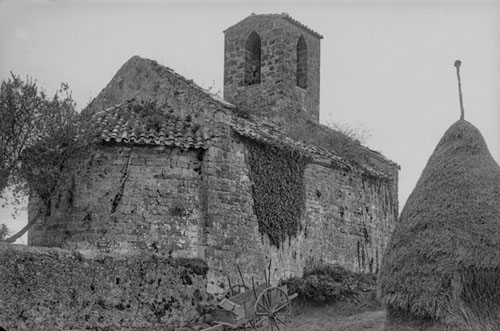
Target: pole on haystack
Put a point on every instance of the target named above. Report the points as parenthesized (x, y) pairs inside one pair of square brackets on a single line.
[(458, 63)]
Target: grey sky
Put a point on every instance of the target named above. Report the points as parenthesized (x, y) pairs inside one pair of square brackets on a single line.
[(387, 65)]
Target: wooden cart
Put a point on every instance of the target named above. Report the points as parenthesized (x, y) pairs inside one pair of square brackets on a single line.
[(261, 308)]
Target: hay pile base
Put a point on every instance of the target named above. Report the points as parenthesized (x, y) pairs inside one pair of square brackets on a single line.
[(441, 268)]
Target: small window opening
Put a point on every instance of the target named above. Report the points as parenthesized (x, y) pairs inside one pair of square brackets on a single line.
[(252, 59), (302, 63)]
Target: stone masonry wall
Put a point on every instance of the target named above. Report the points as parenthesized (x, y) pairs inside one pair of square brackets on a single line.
[(348, 220), (134, 198), (49, 289), (231, 229), (277, 91), (200, 204)]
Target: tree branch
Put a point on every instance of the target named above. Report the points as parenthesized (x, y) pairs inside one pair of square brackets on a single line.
[(23, 230)]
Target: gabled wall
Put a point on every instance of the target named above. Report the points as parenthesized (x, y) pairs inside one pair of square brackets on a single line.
[(145, 79)]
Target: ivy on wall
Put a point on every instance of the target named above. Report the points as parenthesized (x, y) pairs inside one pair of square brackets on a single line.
[(278, 189)]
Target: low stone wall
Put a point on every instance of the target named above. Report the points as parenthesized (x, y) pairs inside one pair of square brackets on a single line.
[(55, 289)]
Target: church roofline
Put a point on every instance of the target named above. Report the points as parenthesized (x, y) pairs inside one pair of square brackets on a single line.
[(284, 16), (377, 155), (268, 133), (192, 84)]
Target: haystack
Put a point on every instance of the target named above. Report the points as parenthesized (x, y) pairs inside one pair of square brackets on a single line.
[(441, 268)]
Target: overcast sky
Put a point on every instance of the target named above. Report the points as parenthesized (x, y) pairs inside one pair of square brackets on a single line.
[(385, 65)]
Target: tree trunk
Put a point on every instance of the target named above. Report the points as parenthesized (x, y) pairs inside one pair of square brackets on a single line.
[(23, 230)]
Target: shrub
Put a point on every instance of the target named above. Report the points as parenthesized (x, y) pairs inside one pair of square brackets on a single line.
[(330, 283)]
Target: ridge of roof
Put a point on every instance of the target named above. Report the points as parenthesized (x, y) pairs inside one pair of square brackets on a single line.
[(190, 82), (284, 16)]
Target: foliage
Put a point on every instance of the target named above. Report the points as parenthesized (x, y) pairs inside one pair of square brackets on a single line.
[(278, 189), (194, 265), (356, 134), (245, 114), (341, 139), (38, 136), (4, 231), (154, 115), (330, 283)]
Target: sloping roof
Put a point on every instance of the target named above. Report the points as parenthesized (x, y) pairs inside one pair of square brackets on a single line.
[(332, 132), (191, 84), (286, 17), (124, 123), (269, 133)]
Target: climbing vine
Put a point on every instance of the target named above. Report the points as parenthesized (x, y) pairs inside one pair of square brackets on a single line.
[(278, 189)]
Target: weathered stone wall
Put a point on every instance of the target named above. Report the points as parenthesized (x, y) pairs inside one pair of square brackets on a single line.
[(278, 91), (131, 198), (51, 289), (348, 220), (349, 217), (231, 228), (200, 204)]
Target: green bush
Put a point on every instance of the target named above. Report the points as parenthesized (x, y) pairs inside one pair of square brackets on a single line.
[(330, 283)]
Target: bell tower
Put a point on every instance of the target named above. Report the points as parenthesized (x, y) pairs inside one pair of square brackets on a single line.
[(272, 66)]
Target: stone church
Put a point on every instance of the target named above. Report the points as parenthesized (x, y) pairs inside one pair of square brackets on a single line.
[(239, 181)]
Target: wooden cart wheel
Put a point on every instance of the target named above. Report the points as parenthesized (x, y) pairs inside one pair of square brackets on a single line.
[(273, 310)]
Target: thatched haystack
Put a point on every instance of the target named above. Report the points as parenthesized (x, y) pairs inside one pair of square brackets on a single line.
[(441, 268)]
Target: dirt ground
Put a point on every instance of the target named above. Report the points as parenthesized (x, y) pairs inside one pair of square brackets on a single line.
[(335, 318)]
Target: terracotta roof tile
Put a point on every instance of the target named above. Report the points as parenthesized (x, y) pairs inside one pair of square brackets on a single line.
[(122, 123), (268, 133)]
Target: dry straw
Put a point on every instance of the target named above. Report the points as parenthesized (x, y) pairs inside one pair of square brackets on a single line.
[(441, 268)]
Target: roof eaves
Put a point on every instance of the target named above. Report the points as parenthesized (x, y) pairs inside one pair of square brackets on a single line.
[(119, 124), (267, 133), (285, 16)]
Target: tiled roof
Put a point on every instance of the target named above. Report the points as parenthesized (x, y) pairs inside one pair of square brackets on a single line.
[(269, 133), (286, 17), (297, 23), (122, 123)]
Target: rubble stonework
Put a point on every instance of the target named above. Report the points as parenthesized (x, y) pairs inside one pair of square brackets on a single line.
[(135, 198), (278, 90)]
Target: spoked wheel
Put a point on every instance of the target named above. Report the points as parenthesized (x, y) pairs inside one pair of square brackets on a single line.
[(273, 310)]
